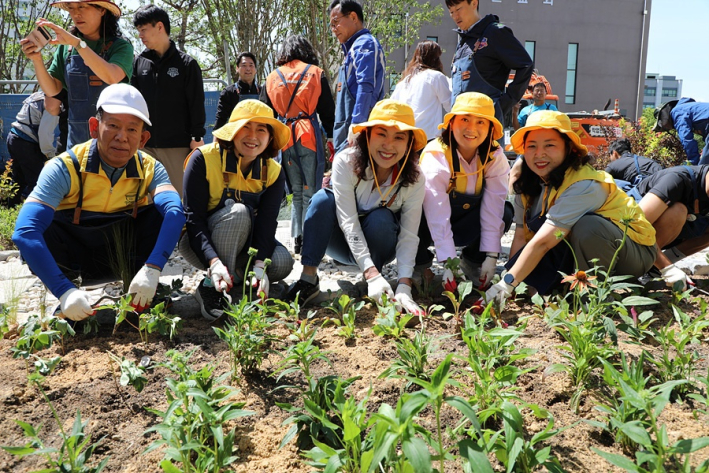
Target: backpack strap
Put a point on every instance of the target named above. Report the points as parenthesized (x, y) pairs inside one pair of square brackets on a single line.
[(297, 86), (79, 203)]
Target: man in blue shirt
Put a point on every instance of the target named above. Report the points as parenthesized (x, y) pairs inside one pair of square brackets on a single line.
[(687, 117), (360, 84), (93, 199), (539, 97)]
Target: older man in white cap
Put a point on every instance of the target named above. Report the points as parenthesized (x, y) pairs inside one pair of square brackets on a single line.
[(93, 200)]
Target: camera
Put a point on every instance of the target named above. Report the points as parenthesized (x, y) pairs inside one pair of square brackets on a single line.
[(40, 36)]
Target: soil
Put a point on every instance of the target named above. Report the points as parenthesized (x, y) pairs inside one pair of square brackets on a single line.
[(84, 381)]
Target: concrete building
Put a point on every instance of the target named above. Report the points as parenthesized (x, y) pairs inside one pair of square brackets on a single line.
[(660, 89), (590, 51)]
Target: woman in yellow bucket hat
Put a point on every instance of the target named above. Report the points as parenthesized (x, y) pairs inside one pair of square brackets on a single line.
[(371, 215), (466, 187), (232, 194), (559, 195)]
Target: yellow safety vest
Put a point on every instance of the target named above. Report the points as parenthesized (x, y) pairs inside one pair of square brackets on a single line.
[(617, 207), (98, 195), (224, 174)]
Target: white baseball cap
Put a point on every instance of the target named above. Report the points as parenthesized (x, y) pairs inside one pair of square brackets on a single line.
[(123, 98)]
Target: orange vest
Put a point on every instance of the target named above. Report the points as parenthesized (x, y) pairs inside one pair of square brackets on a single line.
[(305, 102)]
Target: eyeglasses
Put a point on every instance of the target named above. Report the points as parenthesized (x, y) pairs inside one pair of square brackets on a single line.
[(335, 22)]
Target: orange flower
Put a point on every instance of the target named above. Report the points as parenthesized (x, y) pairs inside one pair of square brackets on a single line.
[(580, 279)]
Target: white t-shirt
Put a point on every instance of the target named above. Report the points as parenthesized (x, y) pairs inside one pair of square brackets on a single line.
[(429, 94)]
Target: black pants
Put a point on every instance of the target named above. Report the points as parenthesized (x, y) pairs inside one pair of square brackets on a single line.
[(91, 249), (27, 163)]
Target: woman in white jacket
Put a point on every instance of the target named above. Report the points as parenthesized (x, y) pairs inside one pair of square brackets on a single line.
[(372, 213)]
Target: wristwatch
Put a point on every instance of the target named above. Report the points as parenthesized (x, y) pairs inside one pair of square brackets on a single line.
[(509, 278), (82, 44)]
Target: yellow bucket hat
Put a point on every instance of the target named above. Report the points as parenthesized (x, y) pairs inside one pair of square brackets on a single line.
[(397, 114), (253, 111), (476, 104), (547, 120)]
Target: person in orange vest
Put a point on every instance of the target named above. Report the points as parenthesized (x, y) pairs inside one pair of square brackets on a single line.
[(299, 93)]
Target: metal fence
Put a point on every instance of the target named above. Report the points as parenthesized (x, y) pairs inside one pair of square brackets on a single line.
[(10, 105)]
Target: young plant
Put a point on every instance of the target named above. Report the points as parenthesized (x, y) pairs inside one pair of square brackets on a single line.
[(390, 323), (74, 452), (131, 374), (345, 309), (193, 426), (299, 357), (246, 332), (158, 320), (464, 288), (413, 357), (39, 333), (587, 346)]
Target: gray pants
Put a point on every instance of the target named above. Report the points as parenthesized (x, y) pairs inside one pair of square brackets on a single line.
[(595, 237), (230, 228)]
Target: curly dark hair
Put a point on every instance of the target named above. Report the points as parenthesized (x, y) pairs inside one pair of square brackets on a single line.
[(448, 139), (270, 152), (297, 47), (530, 184), (410, 173), (426, 56), (109, 27)]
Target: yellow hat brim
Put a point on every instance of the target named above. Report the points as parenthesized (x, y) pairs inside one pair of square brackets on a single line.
[(281, 133), (517, 139)]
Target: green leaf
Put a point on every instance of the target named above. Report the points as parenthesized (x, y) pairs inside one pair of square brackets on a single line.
[(168, 467), (636, 432), (617, 460), (417, 453), (690, 445), (476, 457), (20, 451), (638, 300)]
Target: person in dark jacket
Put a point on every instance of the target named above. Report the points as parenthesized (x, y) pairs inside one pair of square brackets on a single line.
[(627, 166), (245, 88), (487, 51), (687, 117), (171, 82)]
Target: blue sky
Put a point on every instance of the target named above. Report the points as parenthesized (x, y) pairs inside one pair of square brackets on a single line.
[(678, 44)]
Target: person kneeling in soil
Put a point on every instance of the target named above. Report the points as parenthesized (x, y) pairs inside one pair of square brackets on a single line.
[(559, 195), (466, 186), (232, 194), (91, 205), (676, 201), (372, 213)]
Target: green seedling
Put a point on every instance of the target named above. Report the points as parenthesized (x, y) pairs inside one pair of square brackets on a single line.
[(300, 357), (699, 397), (246, 332), (193, 426), (131, 374), (463, 290), (413, 357), (587, 346), (346, 309), (45, 366), (39, 333), (390, 323), (73, 454)]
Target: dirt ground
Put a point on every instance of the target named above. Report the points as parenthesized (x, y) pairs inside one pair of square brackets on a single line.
[(84, 382)]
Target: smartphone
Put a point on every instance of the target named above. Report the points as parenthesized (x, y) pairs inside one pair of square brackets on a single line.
[(39, 36)]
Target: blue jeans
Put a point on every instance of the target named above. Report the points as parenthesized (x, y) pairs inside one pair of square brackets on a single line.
[(302, 191), (322, 233)]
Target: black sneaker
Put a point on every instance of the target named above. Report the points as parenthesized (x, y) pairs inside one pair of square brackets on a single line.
[(211, 302), (307, 291)]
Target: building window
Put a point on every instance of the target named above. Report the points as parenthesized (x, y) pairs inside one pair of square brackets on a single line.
[(648, 105), (650, 91), (432, 38), (530, 46), (571, 66), (669, 92)]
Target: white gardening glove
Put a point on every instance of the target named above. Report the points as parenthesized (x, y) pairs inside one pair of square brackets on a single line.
[(75, 304), (499, 292), (448, 281), (405, 301), (219, 274), (672, 274), (487, 271), (378, 286), (260, 282), (144, 285)]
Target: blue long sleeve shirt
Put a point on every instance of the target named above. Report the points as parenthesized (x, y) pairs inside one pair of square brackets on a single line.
[(689, 117)]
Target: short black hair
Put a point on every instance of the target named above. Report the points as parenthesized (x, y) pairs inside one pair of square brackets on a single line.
[(151, 14), (452, 3), (620, 146), (247, 54), (297, 47), (347, 7), (539, 84)]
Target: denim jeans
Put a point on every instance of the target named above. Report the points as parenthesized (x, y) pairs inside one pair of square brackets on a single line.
[(302, 191), (322, 233)]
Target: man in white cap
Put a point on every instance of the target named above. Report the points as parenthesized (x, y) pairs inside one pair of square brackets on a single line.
[(93, 200)]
